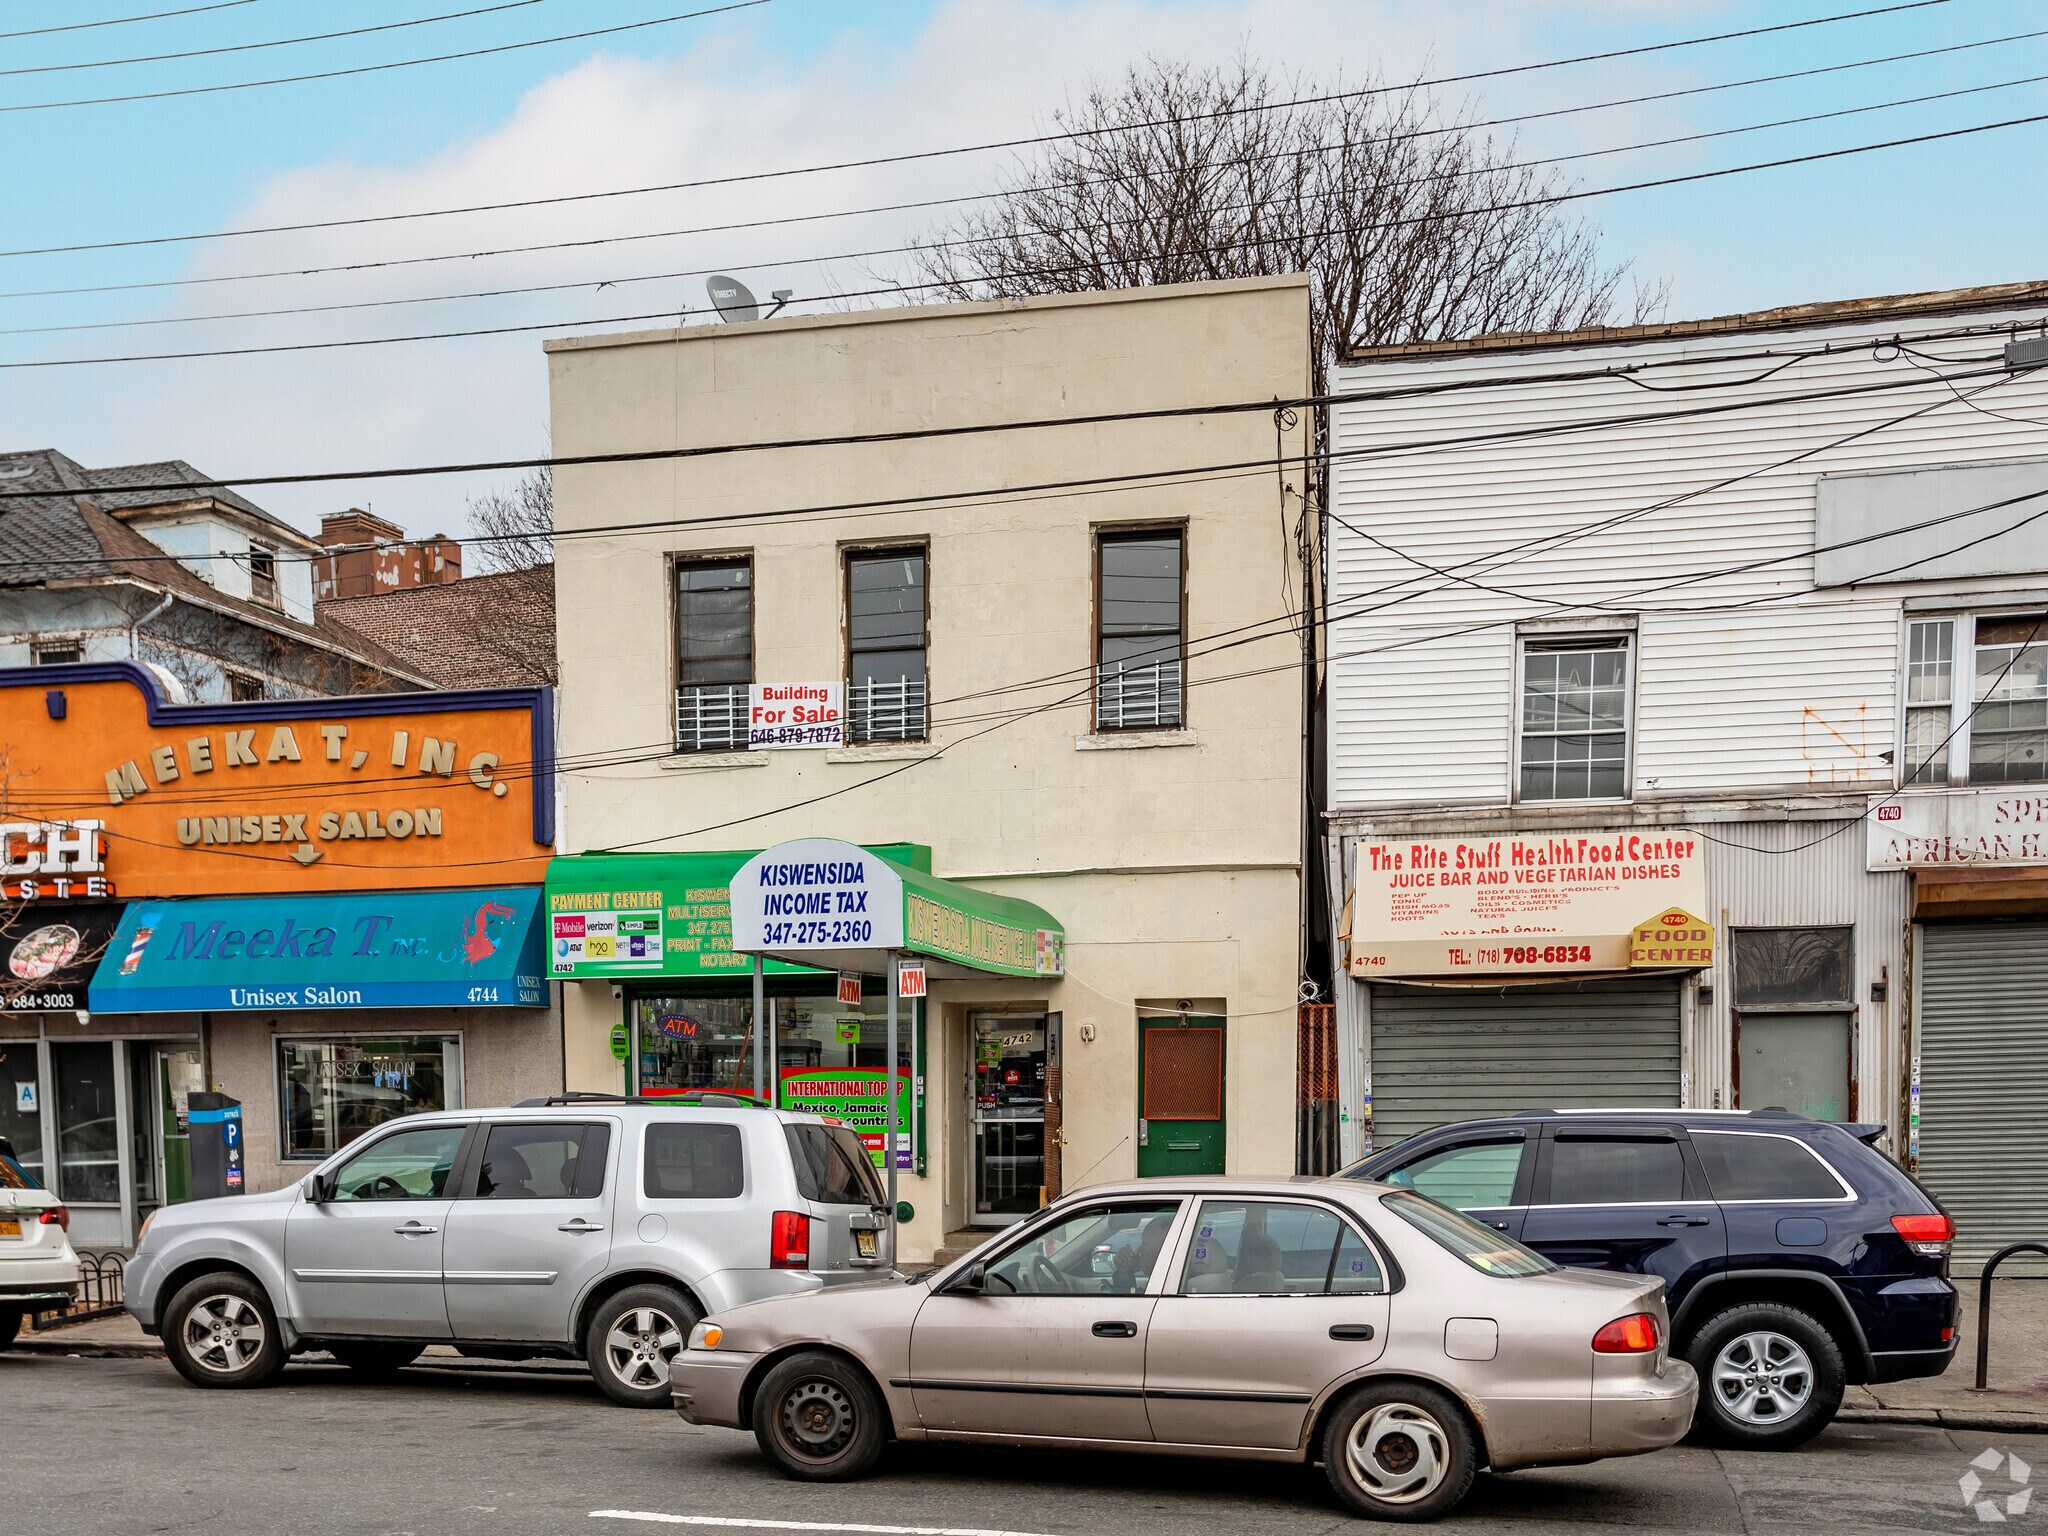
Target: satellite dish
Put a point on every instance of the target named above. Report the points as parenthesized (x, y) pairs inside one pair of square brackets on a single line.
[(733, 299)]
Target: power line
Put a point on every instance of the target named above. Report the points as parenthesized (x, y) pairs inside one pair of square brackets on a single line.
[(276, 42), (600, 284), (1049, 138), (371, 69), (970, 197), (893, 289), (122, 21)]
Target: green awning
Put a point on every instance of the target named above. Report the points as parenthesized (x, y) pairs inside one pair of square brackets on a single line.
[(821, 902), (621, 915)]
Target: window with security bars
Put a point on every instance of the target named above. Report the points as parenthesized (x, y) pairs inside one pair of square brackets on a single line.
[(714, 653), (886, 640), (1139, 630), (1976, 700), (1183, 1074), (1573, 740)]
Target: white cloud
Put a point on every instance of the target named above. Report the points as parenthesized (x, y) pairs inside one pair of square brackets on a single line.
[(980, 69)]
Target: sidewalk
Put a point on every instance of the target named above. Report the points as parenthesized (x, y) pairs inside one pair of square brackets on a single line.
[(2017, 1400)]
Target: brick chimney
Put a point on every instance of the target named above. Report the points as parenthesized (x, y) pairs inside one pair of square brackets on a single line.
[(374, 556)]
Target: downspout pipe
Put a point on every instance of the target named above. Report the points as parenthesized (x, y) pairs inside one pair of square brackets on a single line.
[(134, 642)]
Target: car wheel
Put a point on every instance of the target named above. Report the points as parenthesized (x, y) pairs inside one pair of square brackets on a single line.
[(10, 1325), (220, 1331), (631, 1339), (1400, 1451), (1771, 1377), (819, 1419), (375, 1362)]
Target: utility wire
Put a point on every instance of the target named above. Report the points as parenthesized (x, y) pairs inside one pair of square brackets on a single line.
[(894, 289), (122, 21), (1050, 138), (276, 42), (920, 247), (372, 69), (972, 197)]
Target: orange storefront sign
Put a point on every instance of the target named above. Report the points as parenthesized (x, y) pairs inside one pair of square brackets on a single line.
[(378, 792)]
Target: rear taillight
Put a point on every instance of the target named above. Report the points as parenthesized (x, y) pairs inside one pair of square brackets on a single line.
[(1632, 1335), (789, 1243), (56, 1216), (1929, 1235)]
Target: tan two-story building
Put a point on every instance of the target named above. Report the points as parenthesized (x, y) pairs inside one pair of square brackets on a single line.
[(1002, 593)]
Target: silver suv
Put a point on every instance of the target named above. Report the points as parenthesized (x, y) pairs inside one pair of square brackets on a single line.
[(582, 1226)]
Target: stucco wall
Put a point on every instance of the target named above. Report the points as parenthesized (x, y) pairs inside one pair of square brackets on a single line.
[(1174, 866)]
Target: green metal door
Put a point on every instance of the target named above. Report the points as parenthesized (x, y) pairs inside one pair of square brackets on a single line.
[(1180, 1095)]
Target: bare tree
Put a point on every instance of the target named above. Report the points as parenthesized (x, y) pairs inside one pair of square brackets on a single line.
[(517, 525), (1413, 224)]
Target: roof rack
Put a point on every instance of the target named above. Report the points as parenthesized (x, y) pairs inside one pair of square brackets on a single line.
[(695, 1096)]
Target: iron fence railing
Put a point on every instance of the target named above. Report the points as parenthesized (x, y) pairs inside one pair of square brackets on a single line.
[(878, 710), (100, 1293), (1138, 698), (1316, 1099), (711, 717)]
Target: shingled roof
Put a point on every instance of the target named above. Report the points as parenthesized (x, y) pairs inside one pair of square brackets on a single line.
[(71, 536), (494, 631)]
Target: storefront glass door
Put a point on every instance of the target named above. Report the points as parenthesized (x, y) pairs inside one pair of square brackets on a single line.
[(1007, 1116), (177, 1078), (88, 1134)]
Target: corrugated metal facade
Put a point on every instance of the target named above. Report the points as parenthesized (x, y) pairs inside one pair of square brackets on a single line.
[(1983, 1043), (1797, 692), (1806, 874), (1456, 1053)]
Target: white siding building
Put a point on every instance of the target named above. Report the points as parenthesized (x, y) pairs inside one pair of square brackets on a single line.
[(1679, 583)]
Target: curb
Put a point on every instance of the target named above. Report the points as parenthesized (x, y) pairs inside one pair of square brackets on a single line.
[(1987, 1419)]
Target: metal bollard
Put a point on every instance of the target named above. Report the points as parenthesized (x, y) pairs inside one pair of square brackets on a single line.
[(1984, 1304)]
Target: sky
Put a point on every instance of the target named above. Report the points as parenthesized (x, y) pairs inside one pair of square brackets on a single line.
[(794, 83)]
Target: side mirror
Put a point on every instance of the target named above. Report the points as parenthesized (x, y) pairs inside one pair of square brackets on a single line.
[(320, 1189), (971, 1281)]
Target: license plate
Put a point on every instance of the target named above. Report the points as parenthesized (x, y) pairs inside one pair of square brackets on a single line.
[(9, 1227), (863, 1243)]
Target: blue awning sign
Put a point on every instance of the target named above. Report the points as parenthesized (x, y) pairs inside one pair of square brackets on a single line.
[(411, 949)]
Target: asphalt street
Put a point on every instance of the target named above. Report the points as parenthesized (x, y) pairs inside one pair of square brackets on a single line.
[(112, 1447)]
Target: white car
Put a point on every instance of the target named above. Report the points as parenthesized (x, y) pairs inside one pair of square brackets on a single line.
[(38, 1270)]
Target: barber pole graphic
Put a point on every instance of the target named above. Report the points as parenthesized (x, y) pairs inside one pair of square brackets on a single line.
[(135, 951)]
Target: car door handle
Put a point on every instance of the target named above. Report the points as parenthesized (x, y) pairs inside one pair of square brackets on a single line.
[(579, 1225), (1498, 1226), (1682, 1221), (414, 1229), (1351, 1331), (1115, 1330)]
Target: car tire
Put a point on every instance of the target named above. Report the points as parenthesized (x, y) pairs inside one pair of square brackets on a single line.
[(631, 1339), (1771, 1377), (375, 1362), (221, 1331), (819, 1419), (1400, 1451), (10, 1327)]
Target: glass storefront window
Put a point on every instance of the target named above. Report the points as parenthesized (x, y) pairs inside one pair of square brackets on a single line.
[(88, 1144), (830, 1058), (331, 1091), (21, 1113)]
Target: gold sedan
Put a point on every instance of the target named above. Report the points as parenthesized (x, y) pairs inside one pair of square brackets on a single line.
[(1400, 1344)]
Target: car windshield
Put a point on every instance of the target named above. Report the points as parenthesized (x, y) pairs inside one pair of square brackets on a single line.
[(1476, 1243), (14, 1176)]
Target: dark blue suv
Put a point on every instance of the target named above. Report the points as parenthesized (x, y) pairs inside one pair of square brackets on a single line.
[(1796, 1258)]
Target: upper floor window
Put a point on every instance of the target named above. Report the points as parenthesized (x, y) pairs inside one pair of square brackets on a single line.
[(243, 689), (1140, 613), (263, 574), (1573, 733), (885, 644), (1976, 702), (57, 653), (714, 653)]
